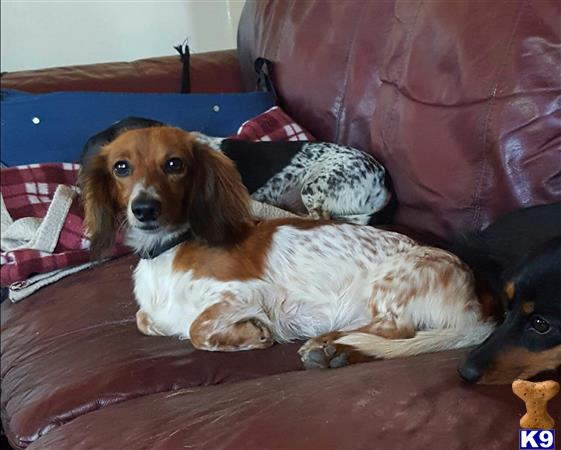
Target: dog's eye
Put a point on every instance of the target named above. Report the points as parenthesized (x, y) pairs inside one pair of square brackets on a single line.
[(122, 168), (540, 325), (173, 165)]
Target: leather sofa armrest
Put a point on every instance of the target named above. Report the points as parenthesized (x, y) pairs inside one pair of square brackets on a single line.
[(210, 72)]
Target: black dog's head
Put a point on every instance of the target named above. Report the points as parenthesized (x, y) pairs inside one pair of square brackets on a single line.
[(529, 340), (94, 144)]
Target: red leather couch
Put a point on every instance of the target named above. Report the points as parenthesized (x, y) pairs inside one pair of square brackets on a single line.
[(460, 101)]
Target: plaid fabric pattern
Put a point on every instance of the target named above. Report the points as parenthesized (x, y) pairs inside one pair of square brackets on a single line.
[(273, 125), (27, 192)]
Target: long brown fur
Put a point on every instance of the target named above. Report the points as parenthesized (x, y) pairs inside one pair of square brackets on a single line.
[(100, 207), (216, 186)]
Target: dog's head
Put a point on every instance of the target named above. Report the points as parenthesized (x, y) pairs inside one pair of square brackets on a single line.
[(157, 182), (529, 340)]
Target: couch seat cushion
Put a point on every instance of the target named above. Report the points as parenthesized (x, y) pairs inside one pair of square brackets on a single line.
[(413, 403)]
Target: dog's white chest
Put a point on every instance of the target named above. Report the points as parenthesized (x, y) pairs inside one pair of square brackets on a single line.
[(173, 300)]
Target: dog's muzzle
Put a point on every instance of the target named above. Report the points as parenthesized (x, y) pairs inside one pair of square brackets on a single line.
[(146, 209)]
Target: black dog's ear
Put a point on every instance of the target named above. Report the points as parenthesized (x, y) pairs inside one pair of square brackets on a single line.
[(100, 209), (219, 211), (94, 143)]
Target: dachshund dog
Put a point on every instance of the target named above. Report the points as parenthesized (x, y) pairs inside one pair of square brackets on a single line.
[(518, 261), (324, 180), (211, 274)]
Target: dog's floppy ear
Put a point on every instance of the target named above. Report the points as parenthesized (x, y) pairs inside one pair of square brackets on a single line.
[(100, 209), (219, 202)]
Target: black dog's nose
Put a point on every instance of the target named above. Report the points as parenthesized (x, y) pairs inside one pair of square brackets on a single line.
[(469, 372), (146, 209)]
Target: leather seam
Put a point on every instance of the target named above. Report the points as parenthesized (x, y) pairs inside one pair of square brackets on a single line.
[(390, 115), (282, 31), (341, 106), (476, 201)]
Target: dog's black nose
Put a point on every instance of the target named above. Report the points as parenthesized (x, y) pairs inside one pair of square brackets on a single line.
[(146, 209), (469, 372)]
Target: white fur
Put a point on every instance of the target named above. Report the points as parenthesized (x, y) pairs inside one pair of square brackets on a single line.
[(138, 189), (143, 239), (331, 182), (317, 280), (423, 342)]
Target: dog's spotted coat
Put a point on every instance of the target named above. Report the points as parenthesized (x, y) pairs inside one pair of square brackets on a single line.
[(334, 182), (328, 181)]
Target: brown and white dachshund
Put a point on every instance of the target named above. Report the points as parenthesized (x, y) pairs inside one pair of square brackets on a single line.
[(210, 274)]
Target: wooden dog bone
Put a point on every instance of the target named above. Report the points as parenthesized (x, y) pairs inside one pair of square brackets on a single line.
[(536, 396)]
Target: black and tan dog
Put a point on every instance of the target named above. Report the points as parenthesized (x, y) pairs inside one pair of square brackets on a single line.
[(518, 261)]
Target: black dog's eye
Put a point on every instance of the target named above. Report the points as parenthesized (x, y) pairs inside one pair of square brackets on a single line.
[(122, 168), (540, 325), (173, 165)]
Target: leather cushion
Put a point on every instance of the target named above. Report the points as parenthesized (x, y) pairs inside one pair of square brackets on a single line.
[(401, 404)]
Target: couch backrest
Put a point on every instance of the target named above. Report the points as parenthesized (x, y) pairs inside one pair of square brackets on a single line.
[(461, 100)]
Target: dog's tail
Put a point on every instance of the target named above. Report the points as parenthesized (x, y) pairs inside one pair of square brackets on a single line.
[(423, 342)]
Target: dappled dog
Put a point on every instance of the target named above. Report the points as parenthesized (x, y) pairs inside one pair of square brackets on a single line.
[(211, 274), (518, 260)]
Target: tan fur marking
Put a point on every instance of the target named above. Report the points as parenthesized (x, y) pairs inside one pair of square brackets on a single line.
[(447, 274), (389, 331), (243, 262), (145, 325), (489, 306), (510, 290), (210, 331), (521, 363), (528, 307), (444, 264)]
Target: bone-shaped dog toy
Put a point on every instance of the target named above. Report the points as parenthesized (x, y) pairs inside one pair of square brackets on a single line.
[(536, 396)]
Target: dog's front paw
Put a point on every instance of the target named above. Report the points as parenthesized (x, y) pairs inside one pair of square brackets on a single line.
[(323, 352)]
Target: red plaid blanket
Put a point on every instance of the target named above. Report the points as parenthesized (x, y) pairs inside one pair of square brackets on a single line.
[(28, 192), (273, 125)]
